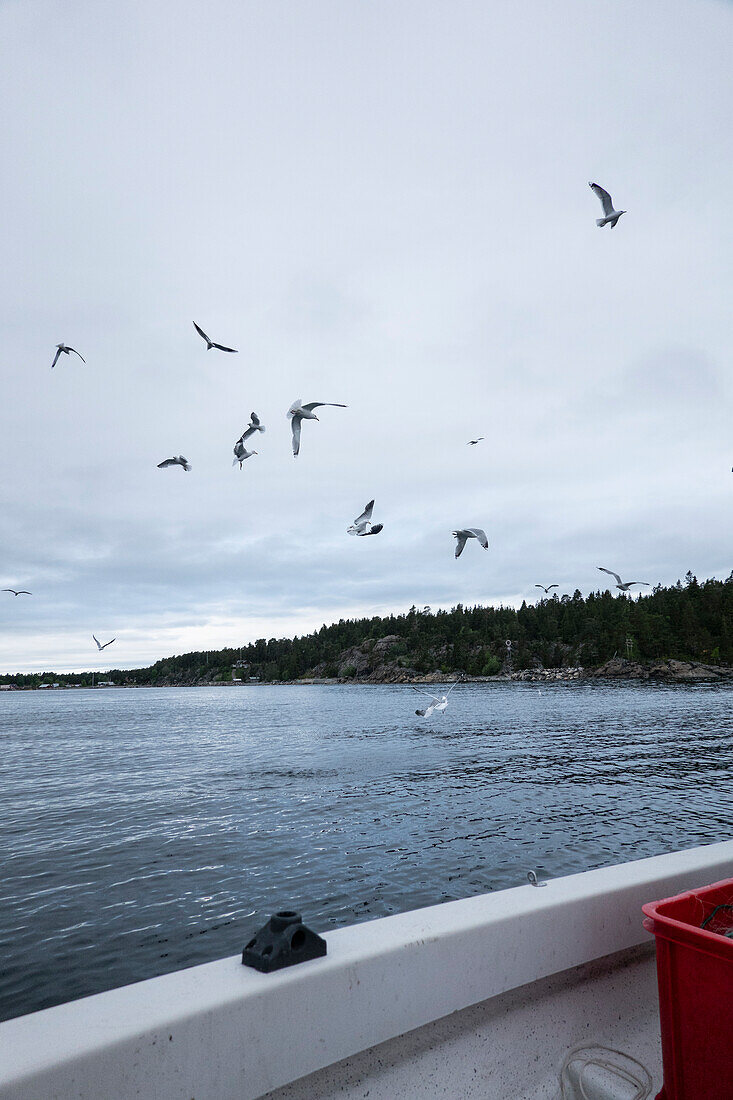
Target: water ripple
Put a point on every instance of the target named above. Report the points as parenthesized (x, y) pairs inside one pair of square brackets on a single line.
[(148, 830)]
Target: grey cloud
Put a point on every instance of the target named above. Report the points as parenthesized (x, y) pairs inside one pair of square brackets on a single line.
[(382, 206)]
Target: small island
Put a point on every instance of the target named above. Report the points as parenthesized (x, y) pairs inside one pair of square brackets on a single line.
[(680, 633)]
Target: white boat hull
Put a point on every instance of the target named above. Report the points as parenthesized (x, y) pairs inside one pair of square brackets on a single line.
[(225, 1032)]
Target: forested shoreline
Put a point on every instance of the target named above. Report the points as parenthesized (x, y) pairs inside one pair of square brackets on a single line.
[(688, 621)]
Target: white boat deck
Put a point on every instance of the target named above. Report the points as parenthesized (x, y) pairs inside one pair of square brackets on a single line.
[(509, 1047), (480, 997)]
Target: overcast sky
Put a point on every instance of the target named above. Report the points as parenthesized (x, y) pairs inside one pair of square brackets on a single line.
[(378, 202)]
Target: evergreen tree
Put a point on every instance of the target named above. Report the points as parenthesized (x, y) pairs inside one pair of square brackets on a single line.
[(690, 621)]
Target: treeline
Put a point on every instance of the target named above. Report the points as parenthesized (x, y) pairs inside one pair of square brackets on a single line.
[(688, 621)]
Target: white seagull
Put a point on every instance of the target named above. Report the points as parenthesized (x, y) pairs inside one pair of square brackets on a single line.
[(100, 647), (177, 460), (299, 412), (623, 585), (240, 452), (546, 590), (610, 216), (64, 349), (210, 343), (363, 525), (469, 533), (20, 591), (436, 703), (253, 426), (473, 442)]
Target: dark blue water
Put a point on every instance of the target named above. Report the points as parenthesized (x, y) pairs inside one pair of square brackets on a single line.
[(146, 830)]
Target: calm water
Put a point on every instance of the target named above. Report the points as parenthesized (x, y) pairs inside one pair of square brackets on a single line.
[(147, 830)]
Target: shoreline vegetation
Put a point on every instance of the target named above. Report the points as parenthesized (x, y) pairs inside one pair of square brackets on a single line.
[(682, 633), (669, 671)]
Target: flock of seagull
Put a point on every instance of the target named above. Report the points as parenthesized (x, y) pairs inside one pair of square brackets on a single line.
[(362, 525)]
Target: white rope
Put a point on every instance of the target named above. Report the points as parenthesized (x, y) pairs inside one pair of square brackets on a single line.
[(595, 1055)]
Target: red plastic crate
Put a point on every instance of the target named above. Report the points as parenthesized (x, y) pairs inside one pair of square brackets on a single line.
[(695, 976)]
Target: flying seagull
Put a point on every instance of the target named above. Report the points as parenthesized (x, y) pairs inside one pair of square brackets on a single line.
[(210, 343), (473, 442), (100, 647), (435, 702), (610, 216), (623, 585), (546, 590), (469, 533), (241, 452), (177, 460), (253, 426), (298, 412), (363, 525), (20, 592), (63, 348)]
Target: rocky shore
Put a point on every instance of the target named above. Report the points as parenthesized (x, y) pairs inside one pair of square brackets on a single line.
[(536, 675), (663, 671), (670, 671), (384, 661), (666, 671)]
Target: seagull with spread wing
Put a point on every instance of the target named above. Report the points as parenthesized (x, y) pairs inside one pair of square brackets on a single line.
[(253, 426), (19, 592), (64, 349), (210, 343), (177, 460), (240, 452), (298, 412), (624, 586), (473, 442), (436, 702), (469, 533), (100, 647), (547, 590), (363, 525), (610, 216)]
